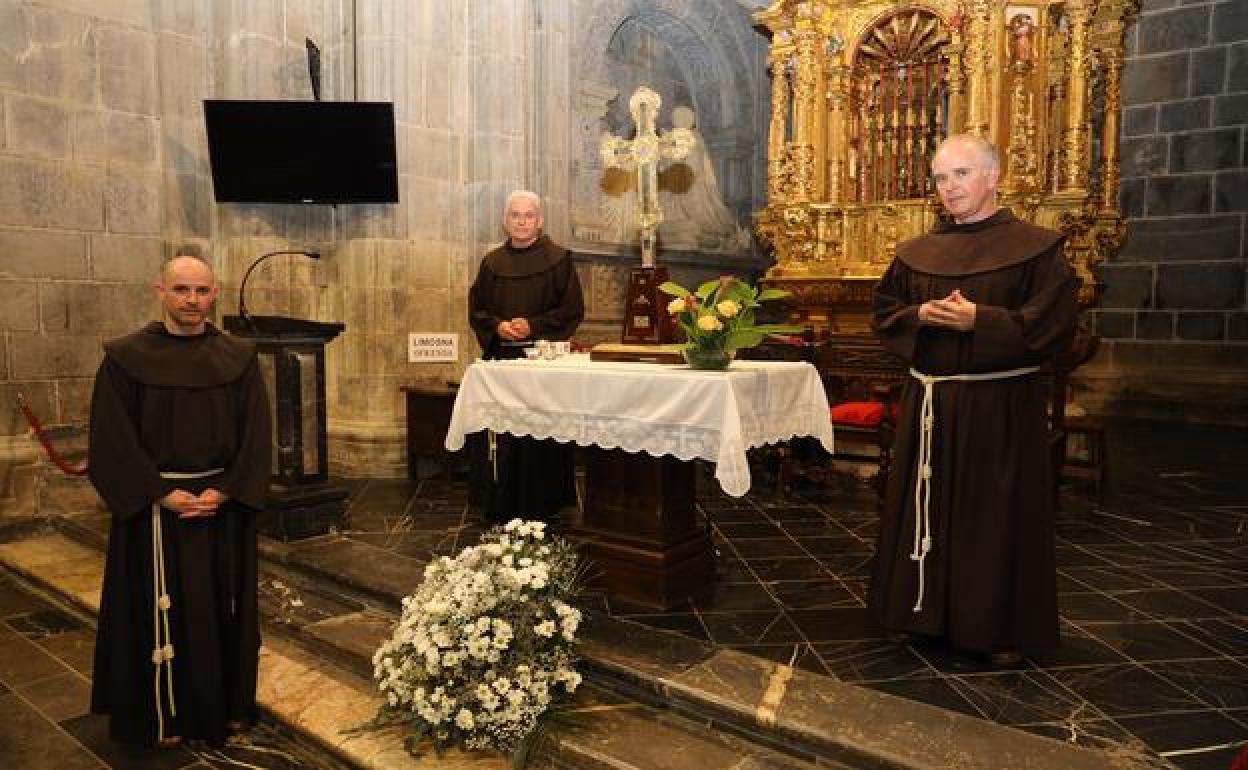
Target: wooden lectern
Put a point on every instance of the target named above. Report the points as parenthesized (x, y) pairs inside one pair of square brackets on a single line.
[(301, 501)]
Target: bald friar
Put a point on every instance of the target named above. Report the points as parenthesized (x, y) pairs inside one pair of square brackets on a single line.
[(179, 451), (976, 307)]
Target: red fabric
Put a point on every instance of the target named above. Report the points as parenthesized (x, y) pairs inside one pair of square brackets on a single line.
[(1241, 760), (867, 414)]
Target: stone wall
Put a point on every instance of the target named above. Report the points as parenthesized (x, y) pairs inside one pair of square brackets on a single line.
[(1173, 314), (104, 172), (80, 200)]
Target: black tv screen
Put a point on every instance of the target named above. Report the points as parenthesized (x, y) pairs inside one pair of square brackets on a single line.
[(302, 152)]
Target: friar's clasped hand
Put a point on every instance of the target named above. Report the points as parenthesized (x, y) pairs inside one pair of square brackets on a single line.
[(953, 312), (191, 506)]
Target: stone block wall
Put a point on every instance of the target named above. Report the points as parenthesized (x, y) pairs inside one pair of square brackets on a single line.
[(80, 201), (1174, 315)]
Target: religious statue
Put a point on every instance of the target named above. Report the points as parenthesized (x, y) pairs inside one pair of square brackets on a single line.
[(696, 214), (1022, 27), (643, 154)]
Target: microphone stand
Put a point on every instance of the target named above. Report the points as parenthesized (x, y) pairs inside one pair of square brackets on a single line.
[(242, 287)]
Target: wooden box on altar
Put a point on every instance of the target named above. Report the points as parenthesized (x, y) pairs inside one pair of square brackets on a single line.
[(646, 320), (649, 354)]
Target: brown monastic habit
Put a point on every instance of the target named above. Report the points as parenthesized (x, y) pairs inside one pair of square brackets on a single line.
[(162, 403), (990, 576), (519, 476)]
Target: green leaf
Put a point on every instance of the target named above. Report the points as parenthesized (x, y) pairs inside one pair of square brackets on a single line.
[(767, 294), (779, 329), (743, 338), (673, 288), (706, 289)]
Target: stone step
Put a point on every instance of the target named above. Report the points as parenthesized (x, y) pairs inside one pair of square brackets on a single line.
[(317, 682), (626, 735), (304, 695), (803, 715)]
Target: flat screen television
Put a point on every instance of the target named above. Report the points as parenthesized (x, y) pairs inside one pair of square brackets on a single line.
[(302, 152)]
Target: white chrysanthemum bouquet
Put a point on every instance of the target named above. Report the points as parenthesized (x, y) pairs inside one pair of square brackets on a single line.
[(484, 647)]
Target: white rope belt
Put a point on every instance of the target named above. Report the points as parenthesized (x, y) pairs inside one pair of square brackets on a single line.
[(162, 651), (923, 478), (492, 438)]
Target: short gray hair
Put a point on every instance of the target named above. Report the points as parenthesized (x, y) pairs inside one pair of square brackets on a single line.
[(985, 149), (516, 195)]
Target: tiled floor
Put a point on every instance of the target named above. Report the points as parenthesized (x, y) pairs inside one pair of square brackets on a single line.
[(45, 669), (1154, 659), (1153, 601)]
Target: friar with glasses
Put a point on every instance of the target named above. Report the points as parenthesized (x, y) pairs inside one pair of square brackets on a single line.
[(526, 289), (179, 451), (976, 308)]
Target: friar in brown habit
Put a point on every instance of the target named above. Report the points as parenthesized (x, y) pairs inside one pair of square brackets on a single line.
[(179, 451), (976, 308), (526, 289)]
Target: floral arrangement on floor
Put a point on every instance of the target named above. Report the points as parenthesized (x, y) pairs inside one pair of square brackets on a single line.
[(718, 319), (484, 648)]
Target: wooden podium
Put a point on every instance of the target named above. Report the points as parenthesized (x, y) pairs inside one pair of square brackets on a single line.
[(301, 501), (640, 529)]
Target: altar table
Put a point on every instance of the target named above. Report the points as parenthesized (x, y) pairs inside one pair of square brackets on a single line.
[(643, 424)]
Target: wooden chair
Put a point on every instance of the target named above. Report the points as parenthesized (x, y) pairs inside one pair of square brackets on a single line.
[(863, 385), (1089, 462), (864, 398)]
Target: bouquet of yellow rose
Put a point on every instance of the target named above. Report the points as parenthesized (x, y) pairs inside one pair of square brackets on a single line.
[(718, 319)]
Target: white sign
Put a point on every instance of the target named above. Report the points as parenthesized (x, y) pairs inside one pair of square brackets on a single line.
[(429, 347)]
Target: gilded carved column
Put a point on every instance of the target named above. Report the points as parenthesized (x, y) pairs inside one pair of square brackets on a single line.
[(807, 104), (1112, 58), (1109, 135), (776, 187), (956, 77), (838, 118), (979, 50), (1075, 131)]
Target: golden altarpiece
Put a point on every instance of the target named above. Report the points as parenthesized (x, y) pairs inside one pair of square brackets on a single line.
[(862, 91)]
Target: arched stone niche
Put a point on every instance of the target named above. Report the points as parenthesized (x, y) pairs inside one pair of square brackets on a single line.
[(702, 54)]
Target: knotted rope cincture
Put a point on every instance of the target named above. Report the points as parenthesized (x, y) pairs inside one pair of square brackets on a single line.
[(923, 475), (162, 645), (493, 452)]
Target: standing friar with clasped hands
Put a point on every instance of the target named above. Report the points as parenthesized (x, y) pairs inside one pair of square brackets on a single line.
[(526, 289), (179, 450), (966, 544)]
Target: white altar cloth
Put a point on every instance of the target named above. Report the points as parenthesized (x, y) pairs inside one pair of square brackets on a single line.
[(651, 408)]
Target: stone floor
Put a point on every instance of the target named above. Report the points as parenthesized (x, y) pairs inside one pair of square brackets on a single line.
[(45, 670), (1154, 663), (1152, 579)]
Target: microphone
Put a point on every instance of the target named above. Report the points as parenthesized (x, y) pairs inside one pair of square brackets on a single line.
[(242, 287)]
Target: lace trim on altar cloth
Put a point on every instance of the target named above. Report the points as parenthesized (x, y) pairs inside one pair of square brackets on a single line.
[(685, 442)]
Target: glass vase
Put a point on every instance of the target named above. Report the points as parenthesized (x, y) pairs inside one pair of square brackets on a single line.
[(707, 358)]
